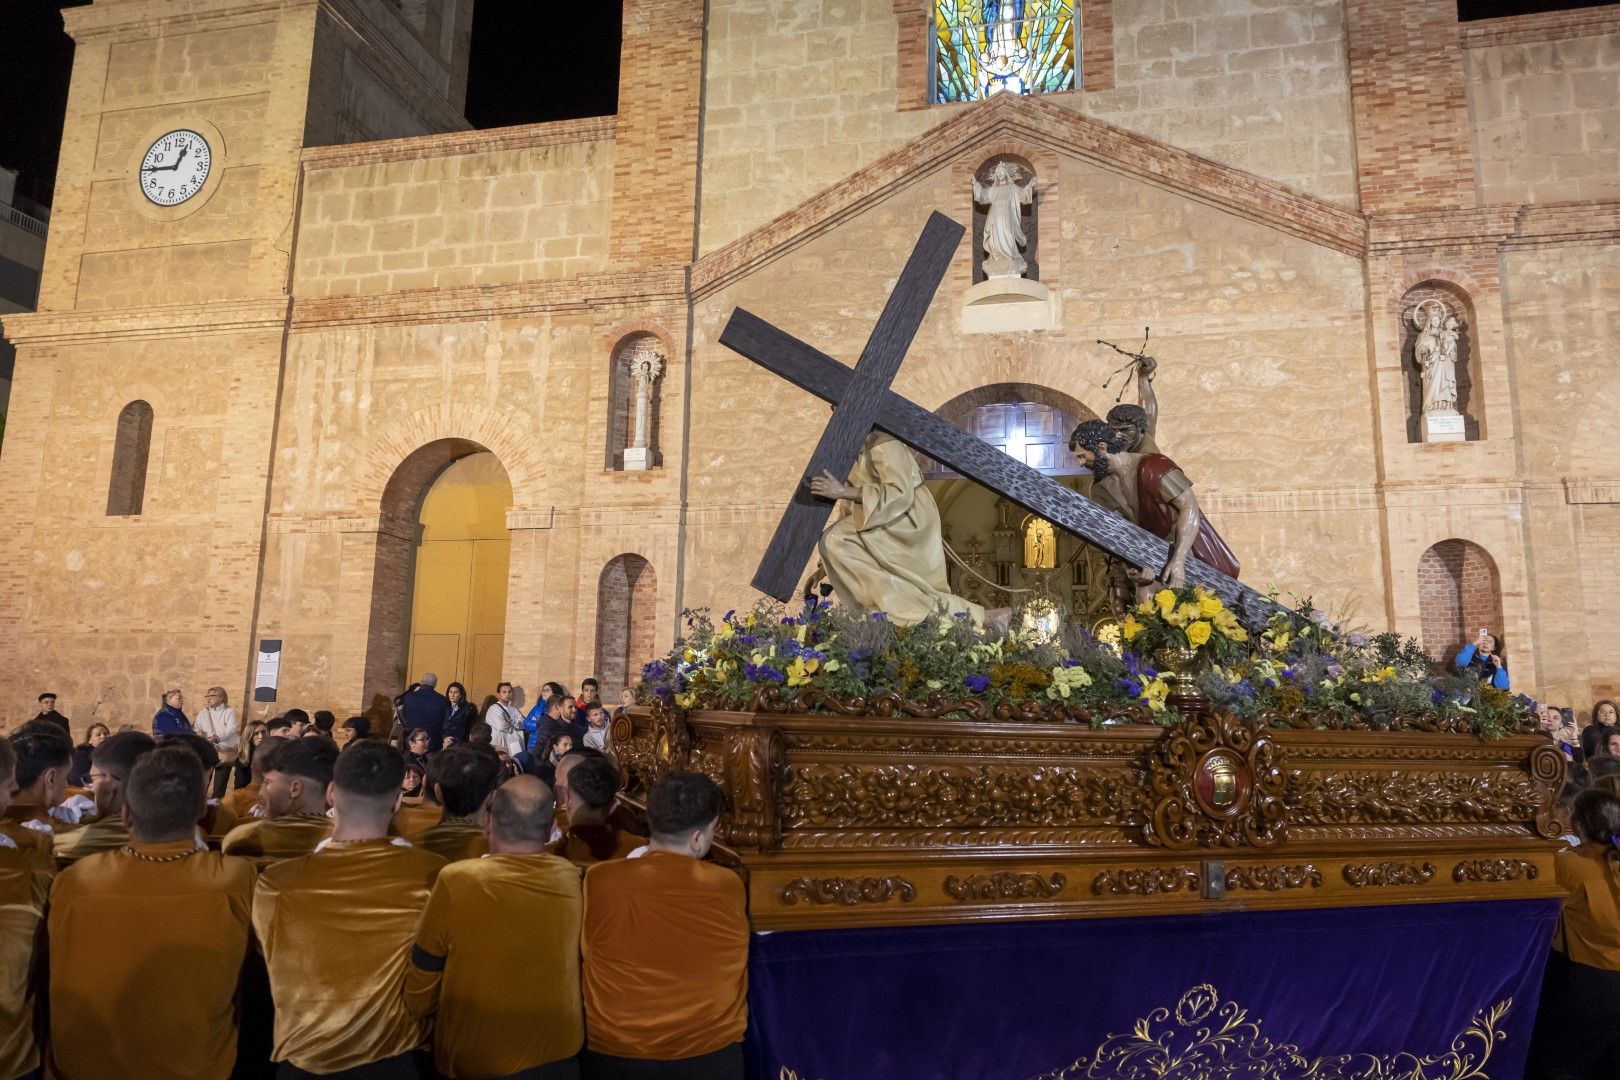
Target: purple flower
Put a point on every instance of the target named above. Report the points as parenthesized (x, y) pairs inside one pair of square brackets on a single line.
[(879, 616), (1436, 698), (1355, 640), (1130, 686), (977, 683), (763, 673), (727, 616), (1334, 671)]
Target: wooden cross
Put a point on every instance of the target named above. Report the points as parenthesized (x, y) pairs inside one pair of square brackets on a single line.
[(862, 400)]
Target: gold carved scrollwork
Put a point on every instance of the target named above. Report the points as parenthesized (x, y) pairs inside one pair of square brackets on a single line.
[(671, 742), (1362, 797), (1215, 782), (755, 770), (1388, 873), (1273, 878), (1495, 870), (1546, 768), (1147, 881), (1003, 886), (1205, 1038), (849, 892)]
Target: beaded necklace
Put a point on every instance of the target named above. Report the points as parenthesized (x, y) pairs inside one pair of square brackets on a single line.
[(176, 857)]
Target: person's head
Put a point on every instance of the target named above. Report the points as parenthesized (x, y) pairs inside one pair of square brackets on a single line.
[(456, 693), (215, 696), (366, 788), (165, 796), (299, 720), (419, 741), (592, 786), (174, 699), (569, 709), (429, 680), (554, 690), (358, 727), (110, 766), (519, 817), (1549, 716), (415, 777), (200, 747), (1606, 712), (627, 697), (683, 809), (44, 756), (1612, 743), (1489, 643), (47, 702), (503, 693), (1596, 819), (596, 716), (561, 745), (8, 774), (324, 721), (565, 766), (96, 734), (590, 690), (1092, 442), (1129, 424), (554, 708), (279, 728), (297, 773), (463, 777), (480, 734)]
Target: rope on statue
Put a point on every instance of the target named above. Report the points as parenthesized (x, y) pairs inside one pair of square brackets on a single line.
[(951, 554)]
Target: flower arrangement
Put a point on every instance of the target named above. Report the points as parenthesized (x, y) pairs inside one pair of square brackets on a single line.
[(1298, 671)]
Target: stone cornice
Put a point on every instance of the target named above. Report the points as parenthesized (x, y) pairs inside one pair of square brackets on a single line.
[(457, 143), (1591, 489), (70, 327), (489, 301), (1543, 26), (1059, 130), (99, 19), (1566, 223), (1504, 224)]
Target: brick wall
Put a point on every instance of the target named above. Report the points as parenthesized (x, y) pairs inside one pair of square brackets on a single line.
[(1411, 107), (626, 598), (1458, 592)]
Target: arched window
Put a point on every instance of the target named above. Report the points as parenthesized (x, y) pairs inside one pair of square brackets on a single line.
[(1459, 591), (636, 400), (132, 447)]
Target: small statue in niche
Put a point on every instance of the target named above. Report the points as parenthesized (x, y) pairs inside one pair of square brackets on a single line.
[(1435, 353), (1010, 189)]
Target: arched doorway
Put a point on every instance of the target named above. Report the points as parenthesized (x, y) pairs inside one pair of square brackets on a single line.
[(626, 607), (1459, 591), (458, 591), (1000, 555)]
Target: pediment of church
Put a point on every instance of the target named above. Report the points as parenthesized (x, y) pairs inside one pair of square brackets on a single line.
[(1025, 125)]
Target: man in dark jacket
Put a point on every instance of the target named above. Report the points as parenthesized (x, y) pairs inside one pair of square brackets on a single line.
[(426, 708)]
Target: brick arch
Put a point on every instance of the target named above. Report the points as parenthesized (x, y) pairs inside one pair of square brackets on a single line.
[(1459, 591), (956, 410), (425, 437), (398, 500), (1460, 280), (626, 621)]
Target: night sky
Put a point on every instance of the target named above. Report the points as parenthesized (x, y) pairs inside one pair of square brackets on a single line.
[(532, 61)]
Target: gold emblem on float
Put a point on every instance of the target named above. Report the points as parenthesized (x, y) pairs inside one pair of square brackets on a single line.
[(1221, 784)]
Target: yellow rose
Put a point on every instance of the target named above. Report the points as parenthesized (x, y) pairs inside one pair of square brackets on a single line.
[(1198, 633), (1210, 606), (1183, 615), (1237, 633), (1280, 642), (1131, 628), (1166, 599)]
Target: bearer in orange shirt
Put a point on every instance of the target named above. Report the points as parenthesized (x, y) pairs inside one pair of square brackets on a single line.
[(665, 946), (25, 882), (110, 766), (462, 779), (147, 943), (297, 773)]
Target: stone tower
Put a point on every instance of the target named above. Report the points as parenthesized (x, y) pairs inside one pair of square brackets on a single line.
[(163, 320)]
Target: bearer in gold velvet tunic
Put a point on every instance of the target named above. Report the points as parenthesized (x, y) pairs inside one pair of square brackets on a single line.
[(297, 773), (110, 766), (337, 926), (147, 943), (44, 756), (500, 1007), (25, 882), (462, 779), (665, 946)]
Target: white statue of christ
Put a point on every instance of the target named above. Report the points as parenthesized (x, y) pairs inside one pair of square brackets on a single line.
[(1003, 224)]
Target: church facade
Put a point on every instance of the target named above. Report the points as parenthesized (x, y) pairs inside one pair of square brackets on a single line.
[(392, 394)]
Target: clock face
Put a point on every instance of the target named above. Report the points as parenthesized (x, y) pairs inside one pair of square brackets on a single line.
[(175, 167)]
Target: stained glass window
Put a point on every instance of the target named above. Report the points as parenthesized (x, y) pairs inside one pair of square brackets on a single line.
[(985, 47)]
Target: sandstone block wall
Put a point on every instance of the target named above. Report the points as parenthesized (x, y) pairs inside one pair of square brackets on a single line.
[(797, 100), (1546, 118), (455, 211)]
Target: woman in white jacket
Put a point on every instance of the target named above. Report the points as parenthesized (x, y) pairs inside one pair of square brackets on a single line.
[(217, 723)]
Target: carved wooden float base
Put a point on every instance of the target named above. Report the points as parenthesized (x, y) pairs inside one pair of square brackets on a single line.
[(848, 821)]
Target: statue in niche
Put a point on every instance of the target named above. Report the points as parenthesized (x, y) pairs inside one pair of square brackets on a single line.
[(1010, 189), (1435, 353)]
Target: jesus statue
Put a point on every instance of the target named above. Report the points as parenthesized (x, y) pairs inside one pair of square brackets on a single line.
[(1004, 236), (885, 552)]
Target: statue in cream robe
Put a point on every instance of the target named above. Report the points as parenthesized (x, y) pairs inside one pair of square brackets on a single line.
[(884, 551)]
